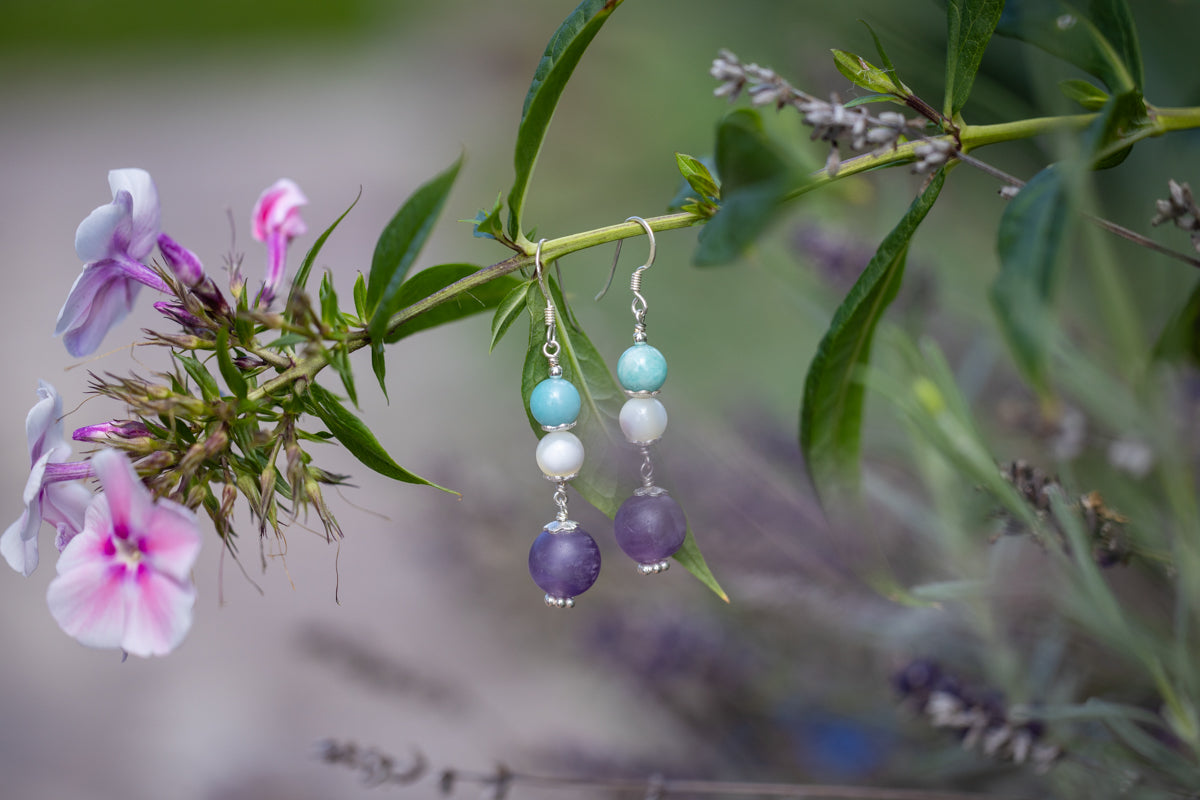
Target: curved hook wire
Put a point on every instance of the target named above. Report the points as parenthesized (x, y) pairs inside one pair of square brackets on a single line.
[(551, 348), (637, 273)]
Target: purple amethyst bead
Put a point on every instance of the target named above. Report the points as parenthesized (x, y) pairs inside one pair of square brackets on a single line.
[(650, 528), (564, 564)]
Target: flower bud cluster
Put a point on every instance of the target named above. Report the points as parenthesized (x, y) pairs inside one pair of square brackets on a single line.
[(1104, 527), (830, 120), (1179, 207), (979, 716)]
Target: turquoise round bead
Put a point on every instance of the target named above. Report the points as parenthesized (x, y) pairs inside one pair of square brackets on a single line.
[(554, 402), (642, 368)]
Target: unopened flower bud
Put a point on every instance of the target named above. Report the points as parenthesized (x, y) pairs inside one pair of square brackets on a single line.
[(186, 319), (108, 431), (183, 262), (249, 362)]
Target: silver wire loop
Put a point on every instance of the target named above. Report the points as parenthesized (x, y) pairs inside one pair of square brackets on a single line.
[(551, 348), (637, 273)]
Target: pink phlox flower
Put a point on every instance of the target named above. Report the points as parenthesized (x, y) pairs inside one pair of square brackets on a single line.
[(113, 240), (124, 580), (50, 493), (276, 221)]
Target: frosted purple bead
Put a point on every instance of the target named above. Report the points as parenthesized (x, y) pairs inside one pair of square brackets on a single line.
[(650, 528), (564, 564)]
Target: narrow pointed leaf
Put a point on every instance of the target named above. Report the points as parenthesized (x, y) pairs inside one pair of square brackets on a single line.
[(379, 367), (898, 86), (1098, 36), (398, 246), (358, 439), (969, 28), (360, 296), (434, 279), (508, 312), (1035, 228), (691, 559), (306, 266), (831, 415), (562, 54), (229, 371), (1180, 338), (863, 73), (1030, 242), (209, 389)]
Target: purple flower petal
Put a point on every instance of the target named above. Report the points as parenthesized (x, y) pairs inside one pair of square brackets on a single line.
[(100, 298), (97, 236), (129, 502), (146, 215)]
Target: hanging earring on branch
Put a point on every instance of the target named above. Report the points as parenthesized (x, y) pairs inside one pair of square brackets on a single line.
[(650, 525), (564, 560)]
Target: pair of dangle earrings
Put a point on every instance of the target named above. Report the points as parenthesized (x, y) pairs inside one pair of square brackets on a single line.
[(650, 527)]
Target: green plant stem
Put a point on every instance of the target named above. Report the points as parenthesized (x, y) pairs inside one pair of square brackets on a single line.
[(552, 250)]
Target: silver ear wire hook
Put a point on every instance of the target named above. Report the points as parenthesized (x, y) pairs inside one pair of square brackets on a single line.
[(637, 273), (551, 348)]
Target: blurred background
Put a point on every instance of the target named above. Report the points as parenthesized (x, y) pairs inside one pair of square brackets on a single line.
[(421, 630)]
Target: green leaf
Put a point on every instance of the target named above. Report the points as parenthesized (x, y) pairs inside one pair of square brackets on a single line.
[(1098, 36), (562, 54), (897, 86), (691, 559), (831, 415), (398, 246), (508, 311), (379, 367), (864, 74), (209, 390), (360, 296), (358, 439), (1030, 241), (1180, 338), (755, 178), (311, 256), (330, 314), (969, 27), (1090, 97), (229, 371), (1034, 230), (434, 279), (696, 173), (339, 359), (487, 223)]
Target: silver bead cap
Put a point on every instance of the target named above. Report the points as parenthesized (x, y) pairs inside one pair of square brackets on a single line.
[(654, 568), (560, 602), (564, 427), (561, 526)]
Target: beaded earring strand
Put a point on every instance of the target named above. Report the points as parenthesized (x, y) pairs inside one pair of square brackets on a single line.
[(650, 525), (564, 560)]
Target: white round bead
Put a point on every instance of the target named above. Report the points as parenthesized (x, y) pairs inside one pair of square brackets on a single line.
[(643, 419), (560, 454)]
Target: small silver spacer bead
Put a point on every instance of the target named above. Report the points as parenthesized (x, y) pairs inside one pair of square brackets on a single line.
[(560, 602)]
